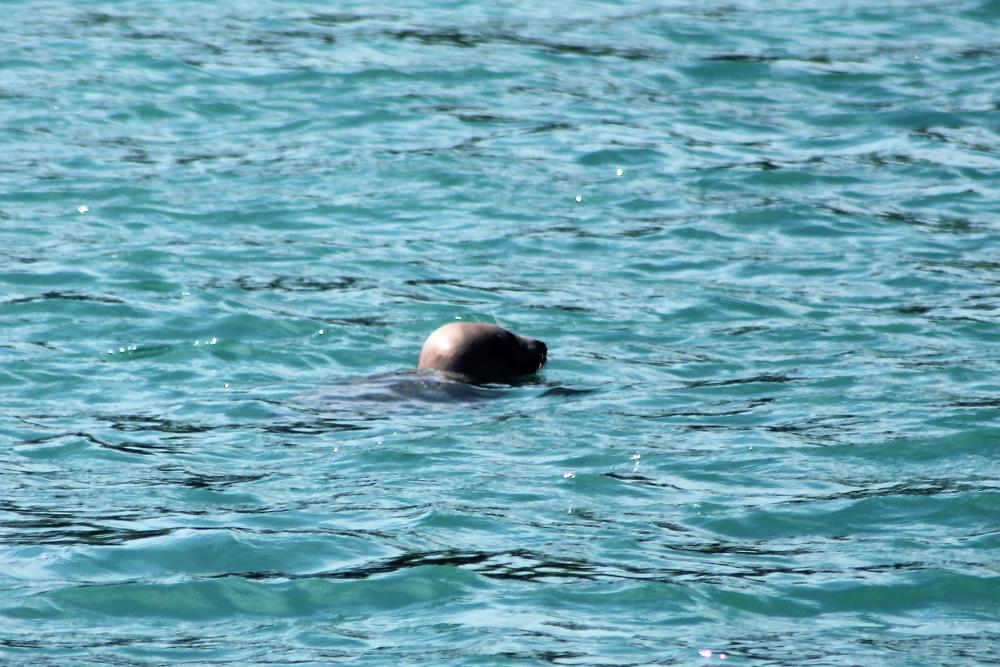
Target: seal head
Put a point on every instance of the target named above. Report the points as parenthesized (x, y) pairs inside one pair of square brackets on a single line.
[(481, 352)]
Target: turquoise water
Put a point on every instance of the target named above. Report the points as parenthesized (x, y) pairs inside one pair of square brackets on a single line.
[(761, 241)]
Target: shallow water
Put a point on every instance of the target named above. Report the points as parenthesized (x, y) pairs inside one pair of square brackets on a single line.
[(760, 241)]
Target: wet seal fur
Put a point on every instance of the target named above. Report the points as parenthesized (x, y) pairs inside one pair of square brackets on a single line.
[(481, 352)]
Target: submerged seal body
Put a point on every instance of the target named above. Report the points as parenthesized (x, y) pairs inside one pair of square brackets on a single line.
[(481, 352)]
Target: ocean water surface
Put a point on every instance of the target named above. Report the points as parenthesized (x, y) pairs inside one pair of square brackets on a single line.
[(761, 240)]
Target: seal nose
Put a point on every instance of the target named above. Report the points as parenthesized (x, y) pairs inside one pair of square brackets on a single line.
[(539, 352)]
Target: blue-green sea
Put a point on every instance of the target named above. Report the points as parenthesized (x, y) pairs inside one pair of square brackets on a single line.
[(760, 239)]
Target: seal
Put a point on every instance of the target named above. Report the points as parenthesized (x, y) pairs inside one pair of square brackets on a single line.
[(481, 352)]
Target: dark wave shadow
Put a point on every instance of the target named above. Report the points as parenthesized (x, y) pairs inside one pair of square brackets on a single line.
[(535, 566), (468, 40)]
